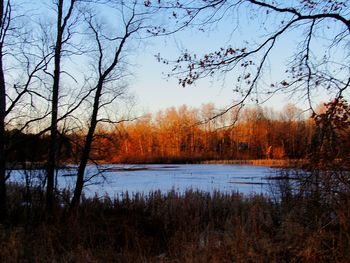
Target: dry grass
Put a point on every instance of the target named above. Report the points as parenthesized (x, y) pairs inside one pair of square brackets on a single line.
[(193, 227), (260, 162)]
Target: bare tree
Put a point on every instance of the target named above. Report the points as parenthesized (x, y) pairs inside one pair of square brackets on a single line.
[(64, 26), (319, 28), (22, 60), (111, 47), (5, 17)]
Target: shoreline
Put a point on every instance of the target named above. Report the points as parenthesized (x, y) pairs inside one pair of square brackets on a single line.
[(277, 163)]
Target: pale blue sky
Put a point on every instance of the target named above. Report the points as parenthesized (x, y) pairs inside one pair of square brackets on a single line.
[(154, 91)]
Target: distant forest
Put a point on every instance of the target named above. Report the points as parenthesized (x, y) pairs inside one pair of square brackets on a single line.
[(185, 134)]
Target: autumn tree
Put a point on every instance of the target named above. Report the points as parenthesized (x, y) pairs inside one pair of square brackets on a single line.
[(184, 134), (293, 125), (331, 137)]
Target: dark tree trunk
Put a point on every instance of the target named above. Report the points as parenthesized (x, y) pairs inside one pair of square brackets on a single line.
[(52, 159), (87, 148), (3, 201), (51, 165)]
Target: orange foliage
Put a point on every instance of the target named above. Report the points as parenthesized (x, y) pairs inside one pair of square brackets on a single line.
[(184, 134)]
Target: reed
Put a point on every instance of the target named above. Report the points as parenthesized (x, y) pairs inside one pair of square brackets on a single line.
[(190, 227)]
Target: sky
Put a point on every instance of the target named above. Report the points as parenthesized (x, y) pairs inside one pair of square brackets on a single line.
[(155, 92)]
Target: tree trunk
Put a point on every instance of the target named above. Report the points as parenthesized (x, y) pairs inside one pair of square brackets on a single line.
[(51, 165), (62, 23), (3, 201), (87, 148)]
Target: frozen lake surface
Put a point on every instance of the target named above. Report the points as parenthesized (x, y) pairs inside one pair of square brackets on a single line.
[(115, 180)]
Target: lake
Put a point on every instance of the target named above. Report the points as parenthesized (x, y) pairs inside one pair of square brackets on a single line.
[(115, 180)]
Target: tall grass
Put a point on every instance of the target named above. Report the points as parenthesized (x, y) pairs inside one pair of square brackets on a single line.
[(190, 227)]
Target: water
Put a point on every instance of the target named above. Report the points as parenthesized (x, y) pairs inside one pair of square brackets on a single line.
[(117, 179)]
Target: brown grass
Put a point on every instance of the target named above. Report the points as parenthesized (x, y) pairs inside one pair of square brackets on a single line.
[(193, 227), (259, 162)]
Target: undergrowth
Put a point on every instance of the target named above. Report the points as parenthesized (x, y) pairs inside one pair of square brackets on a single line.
[(190, 227)]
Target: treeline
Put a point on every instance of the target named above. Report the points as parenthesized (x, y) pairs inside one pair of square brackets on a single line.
[(31, 148), (187, 134)]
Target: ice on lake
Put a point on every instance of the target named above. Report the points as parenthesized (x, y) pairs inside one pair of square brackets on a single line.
[(115, 180)]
